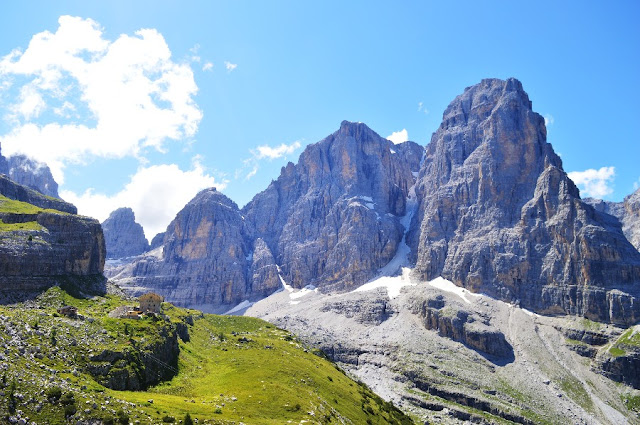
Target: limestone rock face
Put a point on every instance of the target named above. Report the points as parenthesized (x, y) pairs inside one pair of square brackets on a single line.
[(41, 248), (33, 174), (628, 212), (123, 236), (333, 219), (497, 214), (207, 258)]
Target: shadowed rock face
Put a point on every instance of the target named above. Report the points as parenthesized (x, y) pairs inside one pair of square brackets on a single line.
[(333, 219), (628, 212), (123, 236), (498, 214)]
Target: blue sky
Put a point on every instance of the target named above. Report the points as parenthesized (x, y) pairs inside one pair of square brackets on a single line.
[(171, 97)]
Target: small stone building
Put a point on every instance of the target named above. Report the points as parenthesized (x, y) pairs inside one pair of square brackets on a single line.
[(150, 302), (68, 310)]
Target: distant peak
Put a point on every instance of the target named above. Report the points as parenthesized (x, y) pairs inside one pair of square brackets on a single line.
[(357, 130)]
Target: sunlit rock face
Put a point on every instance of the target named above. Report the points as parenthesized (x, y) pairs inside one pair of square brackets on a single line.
[(333, 219), (498, 214), (207, 258), (42, 248)]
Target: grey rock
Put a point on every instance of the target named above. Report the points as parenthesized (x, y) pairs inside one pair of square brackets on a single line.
[(627, 211), (12, 190), (33, 174), (157, 241), (123, 236), (206, 258), (497, 214), (333, 219), (48, 247), (461, 325)]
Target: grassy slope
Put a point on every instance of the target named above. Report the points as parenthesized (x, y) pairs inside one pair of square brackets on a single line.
[(233, 369)]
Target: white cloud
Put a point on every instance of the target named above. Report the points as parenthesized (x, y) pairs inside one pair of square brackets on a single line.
[(421, 108), (636, 185), (119, 97), (548, 120), (398, 137), (208, 66), (594, 183), (230, 66), (155, 194), (265, 152)]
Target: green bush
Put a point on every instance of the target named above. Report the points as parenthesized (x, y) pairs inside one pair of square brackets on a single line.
[(123, 418), (168, 419), (53, 394), (188, 420)]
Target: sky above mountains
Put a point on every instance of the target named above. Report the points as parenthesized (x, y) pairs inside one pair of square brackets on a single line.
[(143, 104)]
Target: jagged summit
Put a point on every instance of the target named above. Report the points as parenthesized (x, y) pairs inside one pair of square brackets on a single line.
[(123, 236), (499, 215)]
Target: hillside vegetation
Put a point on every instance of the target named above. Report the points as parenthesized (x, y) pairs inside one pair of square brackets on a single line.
[(56, 369)]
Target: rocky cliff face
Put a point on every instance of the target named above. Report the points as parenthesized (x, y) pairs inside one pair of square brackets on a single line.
[(333, 219), (208, 258), (42, 247), (123, 236), (628, 212), (12, 190), (497, 214), (33, 174)]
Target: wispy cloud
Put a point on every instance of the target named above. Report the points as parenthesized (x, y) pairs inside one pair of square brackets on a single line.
[(594, 183), (421, 108), (208, 66), (155, 193), (548, 120), (109, 98), (398, 137), (230, 66), (265, 152)]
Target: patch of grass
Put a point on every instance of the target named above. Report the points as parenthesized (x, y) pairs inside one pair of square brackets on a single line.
[(590, 325), (631, 402), (17, 207), (231, 379), (575, 390), (27, 226), (617, 351)]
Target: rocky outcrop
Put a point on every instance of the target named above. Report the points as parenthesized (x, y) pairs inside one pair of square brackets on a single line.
[(33, 174), (12, 190), (123, 236), (40, 247), (138, 368), (497, 214), (157, 241), (627, 211), (207, 260), (621, 361), (333, 219), (461, 325)]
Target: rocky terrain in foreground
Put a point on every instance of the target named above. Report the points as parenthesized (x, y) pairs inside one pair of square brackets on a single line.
[(97, 369)]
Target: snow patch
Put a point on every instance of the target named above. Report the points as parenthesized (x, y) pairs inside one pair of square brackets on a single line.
[(392, 151), (370, 206), (393, 284), (242, 306), (448, 286)]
